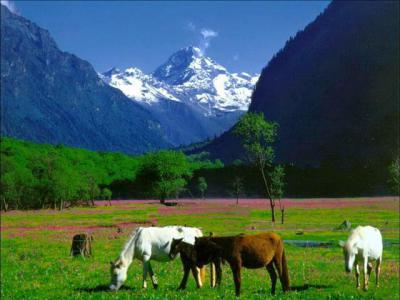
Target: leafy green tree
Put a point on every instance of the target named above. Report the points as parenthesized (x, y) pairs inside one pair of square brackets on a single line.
[(16, 184), (202, 161), (91, 178), (257, 136), (394, 179), (202, 186), (43, 166), (66, 184), (164, 174), (40, 175), (277, 187), (106, 194)]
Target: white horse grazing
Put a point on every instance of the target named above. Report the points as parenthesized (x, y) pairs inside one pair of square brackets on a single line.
[(363, 245), (148, 243)]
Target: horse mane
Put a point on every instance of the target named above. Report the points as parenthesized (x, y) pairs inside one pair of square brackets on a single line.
[(128, 243)]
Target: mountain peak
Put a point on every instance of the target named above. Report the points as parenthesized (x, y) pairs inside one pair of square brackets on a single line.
[(190, 78), (111, 72), (191, 51), (185, 64)]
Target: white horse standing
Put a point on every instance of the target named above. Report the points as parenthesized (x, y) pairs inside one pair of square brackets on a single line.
[(148, 243), (363, 245)]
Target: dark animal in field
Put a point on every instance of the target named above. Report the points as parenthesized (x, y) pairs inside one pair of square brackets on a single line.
[(249, 251), (189, 261), (81, 245)]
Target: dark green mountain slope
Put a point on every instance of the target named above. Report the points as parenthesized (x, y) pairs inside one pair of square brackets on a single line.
[(334, 90)]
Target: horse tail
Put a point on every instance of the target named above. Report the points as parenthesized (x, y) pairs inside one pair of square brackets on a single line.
[(285, 272)]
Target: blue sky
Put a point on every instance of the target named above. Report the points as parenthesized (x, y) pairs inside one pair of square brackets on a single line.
[(242, 36)]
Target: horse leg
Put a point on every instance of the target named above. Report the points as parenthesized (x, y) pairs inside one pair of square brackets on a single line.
[(277, 261), (218, 271), (186, 270), (365, 273), (153, 277), (235, 267), (81, 251), (272, 274), (357, 276), (203, 275), (212, 274), (145, 270), (369, 270), (378, 270), (196, 275)]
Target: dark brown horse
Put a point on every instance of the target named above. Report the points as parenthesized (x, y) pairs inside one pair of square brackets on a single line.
[(189, 260), (249, 251)]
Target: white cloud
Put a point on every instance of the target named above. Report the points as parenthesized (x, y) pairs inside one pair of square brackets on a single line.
[(9, 4), (208, 33), (206, 36)]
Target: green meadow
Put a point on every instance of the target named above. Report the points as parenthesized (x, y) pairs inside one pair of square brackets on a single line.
[(35, 261)]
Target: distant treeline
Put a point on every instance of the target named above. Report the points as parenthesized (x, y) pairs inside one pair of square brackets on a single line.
[(324, 181), (41, 176), (37, 176)]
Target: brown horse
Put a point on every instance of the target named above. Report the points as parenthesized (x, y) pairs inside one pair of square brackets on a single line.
[(249, 251)]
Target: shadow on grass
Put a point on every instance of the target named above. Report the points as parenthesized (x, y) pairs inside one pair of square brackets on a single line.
[(101, 288), (297, 288), (300, 288)]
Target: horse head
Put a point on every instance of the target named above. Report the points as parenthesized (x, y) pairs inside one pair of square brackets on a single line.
[(118, 274), (175, 248), (350, 251)]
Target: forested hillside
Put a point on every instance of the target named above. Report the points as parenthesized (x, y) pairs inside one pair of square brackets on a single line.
[(41, 176), (334, 91)]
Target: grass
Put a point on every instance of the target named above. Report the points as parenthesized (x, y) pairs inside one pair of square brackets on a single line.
[(35, 262)]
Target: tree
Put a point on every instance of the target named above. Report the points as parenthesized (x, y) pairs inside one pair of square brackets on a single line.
[(66, 183), (202, 186), (106, 195), (277, 187), (257, 136), (40, 176), (16, 183), (163, 174), (237, 186), (394, 179)]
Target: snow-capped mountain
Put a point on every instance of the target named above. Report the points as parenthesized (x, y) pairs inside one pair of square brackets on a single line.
[(138, 86), (200, 80), (205, 90)]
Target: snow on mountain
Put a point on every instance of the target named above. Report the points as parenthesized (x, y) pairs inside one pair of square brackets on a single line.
[(138, 86), (190, 78)]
